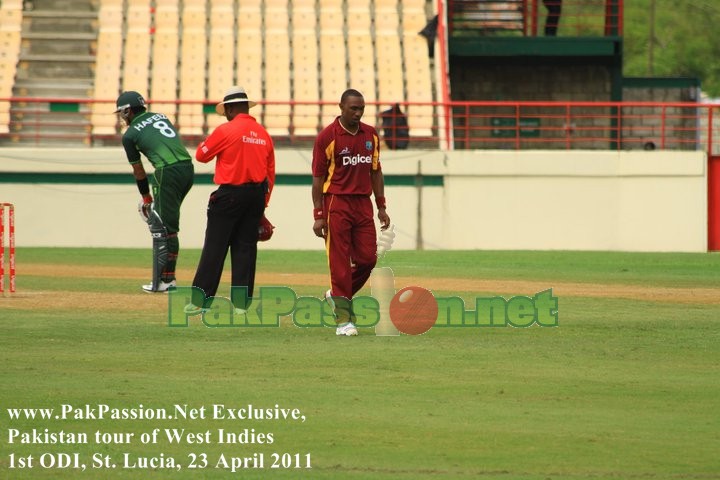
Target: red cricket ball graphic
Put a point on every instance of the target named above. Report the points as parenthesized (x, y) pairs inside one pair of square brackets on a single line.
[(413, 310)]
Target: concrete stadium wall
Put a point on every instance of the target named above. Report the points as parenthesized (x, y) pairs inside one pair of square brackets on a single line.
[(535, 200), (552, 79)]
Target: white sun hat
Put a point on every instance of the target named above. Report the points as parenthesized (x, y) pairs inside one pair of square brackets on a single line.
[(234, 94)]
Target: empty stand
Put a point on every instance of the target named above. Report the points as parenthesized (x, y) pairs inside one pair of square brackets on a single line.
[(136, 53), (386, 17), (277, 68), (192, 4), (417, 72), (221, 54), (413, 20), (107, 67), (305, 117), (166, 17), (362, 71), (164, 77), (192, 67), (390, 69), (416, 5), (10, 28), (361, 56), (249, 56), (333, 58), (297, 56), (304, 5), (276, 6), (391, 86)]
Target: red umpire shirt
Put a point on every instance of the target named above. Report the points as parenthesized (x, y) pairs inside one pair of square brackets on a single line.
[(240, 139)]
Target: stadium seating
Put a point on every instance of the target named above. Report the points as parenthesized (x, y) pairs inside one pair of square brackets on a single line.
[(417, 70), (221, 54), (277, 68), (10, 27), (193, 60), (333, 66), (250, 54), (361, 55), (163, 90), (280, 51), (107, 67), (136, 52), (391, 86), (306, 116)]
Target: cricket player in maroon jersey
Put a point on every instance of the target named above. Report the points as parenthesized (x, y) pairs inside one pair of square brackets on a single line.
[(346, 170)]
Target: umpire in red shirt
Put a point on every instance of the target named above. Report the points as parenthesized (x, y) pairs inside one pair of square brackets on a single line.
[(245, 173), (346, 170)]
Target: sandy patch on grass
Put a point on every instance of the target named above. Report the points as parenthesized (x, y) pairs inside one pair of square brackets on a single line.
[(84, 302), (130, 301)]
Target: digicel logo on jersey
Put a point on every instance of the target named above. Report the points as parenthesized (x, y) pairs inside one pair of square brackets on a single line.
[(355, 159)]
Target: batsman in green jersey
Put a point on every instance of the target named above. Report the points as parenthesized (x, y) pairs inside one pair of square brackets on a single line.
[(154, 135)]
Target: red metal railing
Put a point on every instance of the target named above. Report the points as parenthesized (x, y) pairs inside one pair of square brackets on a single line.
[(580, 125), (440, 125), (570, 18), (443, 67)]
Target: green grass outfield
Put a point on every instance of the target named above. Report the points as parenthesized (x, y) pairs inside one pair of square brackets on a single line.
[(626, 387)]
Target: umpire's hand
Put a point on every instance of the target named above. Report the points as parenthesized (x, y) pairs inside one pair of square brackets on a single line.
[(320, 228)]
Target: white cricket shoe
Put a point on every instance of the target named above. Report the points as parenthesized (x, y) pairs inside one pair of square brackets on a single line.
[(346, 329), (164, 287)]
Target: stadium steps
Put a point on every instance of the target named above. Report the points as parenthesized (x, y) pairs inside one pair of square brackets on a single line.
[(50, 87), (31, 121), (57, 58)]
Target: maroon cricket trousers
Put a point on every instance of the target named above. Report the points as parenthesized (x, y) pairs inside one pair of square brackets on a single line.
[(351, 242)]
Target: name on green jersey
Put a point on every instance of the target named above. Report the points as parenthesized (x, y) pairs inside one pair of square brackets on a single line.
[(149, 121)]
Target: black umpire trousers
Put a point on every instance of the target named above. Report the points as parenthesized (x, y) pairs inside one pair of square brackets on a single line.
[(233, 217)]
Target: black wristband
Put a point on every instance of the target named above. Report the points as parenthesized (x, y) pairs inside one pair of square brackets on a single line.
[(143, 186)]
